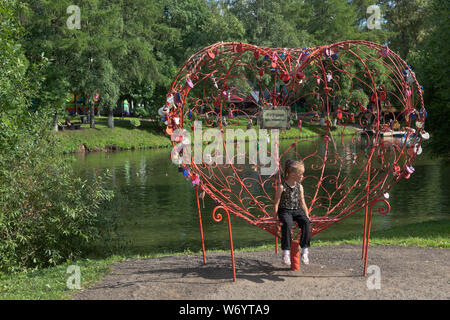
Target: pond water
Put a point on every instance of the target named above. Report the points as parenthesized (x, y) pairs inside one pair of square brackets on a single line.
[(156, 209)]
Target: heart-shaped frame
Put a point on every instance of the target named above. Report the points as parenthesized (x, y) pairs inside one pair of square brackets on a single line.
[(360, 84)]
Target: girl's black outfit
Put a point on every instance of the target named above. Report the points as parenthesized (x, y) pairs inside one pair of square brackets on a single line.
[(289, 210)]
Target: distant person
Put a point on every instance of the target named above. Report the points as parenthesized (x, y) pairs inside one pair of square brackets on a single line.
[(68, 123), (396, 125), (126, 109)]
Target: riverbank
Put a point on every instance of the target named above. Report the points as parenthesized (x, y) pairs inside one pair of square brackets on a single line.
[(50, 283), (148, 135), (104, 139)]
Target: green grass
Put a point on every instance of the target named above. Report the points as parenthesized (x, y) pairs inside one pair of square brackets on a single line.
[(434, 234), (150, 135), (50, 283), (122, 137), (104, 118), (309, 130)]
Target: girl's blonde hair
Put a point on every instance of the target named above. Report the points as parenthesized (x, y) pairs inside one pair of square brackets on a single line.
[(291, 165)]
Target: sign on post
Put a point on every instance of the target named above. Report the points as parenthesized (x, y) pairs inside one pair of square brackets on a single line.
[(275, 118)]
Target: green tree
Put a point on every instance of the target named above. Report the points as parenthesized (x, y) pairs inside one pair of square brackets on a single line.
[(199, 23), (332, 21), (432, 72), (41, 45), (186, 27), (378, 35), (140, 67), (273, 23), (15, 89), (80, 58), (405, 19), (47, 215)]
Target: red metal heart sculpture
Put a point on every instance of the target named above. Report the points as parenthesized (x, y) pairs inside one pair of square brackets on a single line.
[(368, 91)]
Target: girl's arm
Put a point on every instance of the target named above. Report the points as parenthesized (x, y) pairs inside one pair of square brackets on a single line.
[(277, 199), (302, 201)]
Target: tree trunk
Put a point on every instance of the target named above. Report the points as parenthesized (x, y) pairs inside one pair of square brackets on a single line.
[(55, 122), (92, 113), (110, 119)]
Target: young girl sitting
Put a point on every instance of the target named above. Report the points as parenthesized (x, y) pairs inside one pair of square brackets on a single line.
[(290, 206)]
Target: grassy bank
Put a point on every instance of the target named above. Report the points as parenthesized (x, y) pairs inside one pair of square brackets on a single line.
[(51, 283), (149, 135), (122, 137), (435, 234)]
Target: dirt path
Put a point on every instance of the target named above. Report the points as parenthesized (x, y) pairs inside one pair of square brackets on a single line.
[(335, 272)]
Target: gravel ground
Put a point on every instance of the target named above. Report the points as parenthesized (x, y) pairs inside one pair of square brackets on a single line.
[(334, 272)]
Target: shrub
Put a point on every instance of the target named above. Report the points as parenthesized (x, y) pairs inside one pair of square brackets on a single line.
[(135, 123), (141, 112), (47, 214)]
